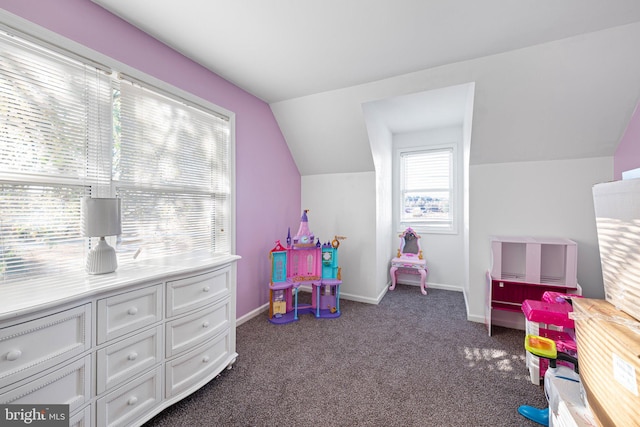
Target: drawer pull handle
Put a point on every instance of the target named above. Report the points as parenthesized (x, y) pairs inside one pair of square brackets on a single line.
[(13, 355), (205, 324), (205, 359), (132, 401), (133, 311), (133, 356), (206, 289)]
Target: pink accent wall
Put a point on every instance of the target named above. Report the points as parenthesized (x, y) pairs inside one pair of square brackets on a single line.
[(627, 155), (268, 183)]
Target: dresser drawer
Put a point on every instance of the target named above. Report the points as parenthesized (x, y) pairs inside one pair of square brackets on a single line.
[(185, 371), (69, 385), (193, 292), (128, 358), (34, 346), (193, 329), (131, 401), (81, 418), (127, 312)]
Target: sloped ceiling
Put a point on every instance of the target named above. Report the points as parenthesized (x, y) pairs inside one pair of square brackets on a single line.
[(316, 62), (283, 49)]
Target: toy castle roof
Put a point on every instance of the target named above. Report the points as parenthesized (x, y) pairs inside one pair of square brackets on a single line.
[(304, 236)]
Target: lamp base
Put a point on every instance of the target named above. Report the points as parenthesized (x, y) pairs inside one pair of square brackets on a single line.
[(102, 259)]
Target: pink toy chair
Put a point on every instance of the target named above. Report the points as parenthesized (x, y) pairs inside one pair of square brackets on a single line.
[(409, 259)]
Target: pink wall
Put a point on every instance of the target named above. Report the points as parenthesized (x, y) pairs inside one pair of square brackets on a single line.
[(267, 179), (627, 155)]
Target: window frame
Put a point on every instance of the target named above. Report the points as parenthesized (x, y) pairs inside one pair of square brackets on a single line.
[(185, 190), (426, 226), (76, 51)]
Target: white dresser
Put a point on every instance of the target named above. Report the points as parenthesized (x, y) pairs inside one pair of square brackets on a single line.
[(121, 347)]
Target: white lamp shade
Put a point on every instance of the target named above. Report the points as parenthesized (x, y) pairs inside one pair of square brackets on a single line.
[(101, 217)]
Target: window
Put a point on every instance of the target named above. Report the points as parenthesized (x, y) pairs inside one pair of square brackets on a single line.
[(70, 129), (172, 174), (50, 106), (426, 189)]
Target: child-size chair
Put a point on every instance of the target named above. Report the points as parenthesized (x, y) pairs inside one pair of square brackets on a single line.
[(409, 259)]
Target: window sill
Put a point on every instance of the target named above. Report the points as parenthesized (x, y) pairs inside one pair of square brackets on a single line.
[(428, 230), (24, 296)]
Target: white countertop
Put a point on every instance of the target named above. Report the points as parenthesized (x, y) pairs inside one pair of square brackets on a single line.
[(25, 296)]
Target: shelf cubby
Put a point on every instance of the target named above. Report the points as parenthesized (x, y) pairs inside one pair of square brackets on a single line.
[(551, 261)]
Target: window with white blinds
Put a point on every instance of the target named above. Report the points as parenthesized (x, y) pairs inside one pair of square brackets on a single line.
[(172, 174), (69, 130), (427, 189), (51, 106)]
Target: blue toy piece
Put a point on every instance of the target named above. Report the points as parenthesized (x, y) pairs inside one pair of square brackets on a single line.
[(540, 416)]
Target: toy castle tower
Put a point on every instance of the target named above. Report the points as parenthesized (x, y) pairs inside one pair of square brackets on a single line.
[(304, 237)]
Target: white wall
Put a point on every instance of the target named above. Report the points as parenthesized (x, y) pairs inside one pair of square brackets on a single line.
[(467, 128), (345, 204), (569, 99), (444, 252), (381, 142), (540, 199)]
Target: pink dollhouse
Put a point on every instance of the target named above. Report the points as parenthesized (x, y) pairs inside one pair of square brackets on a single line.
[(304, 261)]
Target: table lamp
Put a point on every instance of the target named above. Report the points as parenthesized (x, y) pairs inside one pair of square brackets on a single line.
[(101, 217)]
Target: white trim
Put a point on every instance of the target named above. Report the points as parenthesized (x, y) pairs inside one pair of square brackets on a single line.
[(474, 318), (455, 190), (36, 33), (353, 297), (358, 298), (41, 37), (253, 313), (66, 46), (428, 285), (28, 296)]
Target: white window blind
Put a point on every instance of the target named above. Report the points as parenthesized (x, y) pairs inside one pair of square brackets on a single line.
[(51, 111), (426, 188), (172, 174), (69, 130)]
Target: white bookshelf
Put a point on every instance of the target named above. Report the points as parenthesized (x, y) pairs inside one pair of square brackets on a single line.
[(549, 261)]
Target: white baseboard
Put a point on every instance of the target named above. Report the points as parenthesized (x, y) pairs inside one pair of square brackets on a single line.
[(352, 297), (431, 285), (358, 298), (475, 318), (250, 315), (445, 287), (413, 280)]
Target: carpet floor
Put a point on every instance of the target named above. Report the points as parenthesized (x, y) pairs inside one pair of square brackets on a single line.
[(411, 360)]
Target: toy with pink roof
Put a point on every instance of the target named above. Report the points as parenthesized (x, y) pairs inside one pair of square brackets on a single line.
[(304, 262), (549, 318)]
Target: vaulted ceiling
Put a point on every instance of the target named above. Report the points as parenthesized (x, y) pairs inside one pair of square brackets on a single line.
[(283, 49), (554, 79)]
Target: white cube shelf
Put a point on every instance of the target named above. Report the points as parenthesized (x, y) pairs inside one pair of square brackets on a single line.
[(552, 261)]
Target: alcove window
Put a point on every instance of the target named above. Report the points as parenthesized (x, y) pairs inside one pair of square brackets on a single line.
[(427, 193)]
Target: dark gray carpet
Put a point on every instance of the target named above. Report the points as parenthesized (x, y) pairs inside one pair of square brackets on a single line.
[(412, 360)]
